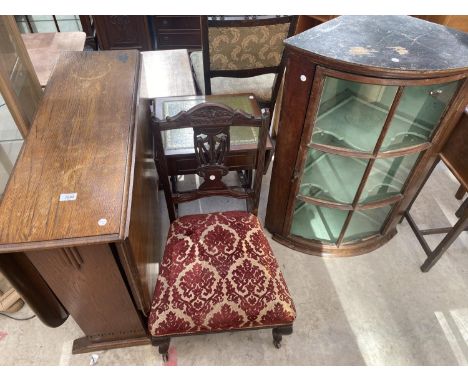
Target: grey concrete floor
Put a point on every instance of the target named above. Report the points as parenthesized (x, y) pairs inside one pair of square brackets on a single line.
[(374, 309)]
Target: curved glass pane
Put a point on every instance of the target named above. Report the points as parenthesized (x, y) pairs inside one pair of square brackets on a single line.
[(317, 223), (366, 223), (351, 114), (387, 177), (331, 177), (417, 115)]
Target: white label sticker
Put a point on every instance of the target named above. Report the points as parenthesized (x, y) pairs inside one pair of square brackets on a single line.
[(68, 197), (102, 222)]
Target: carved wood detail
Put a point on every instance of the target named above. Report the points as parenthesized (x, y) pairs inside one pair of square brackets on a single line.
[(211, 146), (72, 257), (211, 124), (208, 114), (119, 21), (211, 135)]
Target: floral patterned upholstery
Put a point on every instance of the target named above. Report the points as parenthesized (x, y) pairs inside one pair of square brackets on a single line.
[(237, 48), (218, 273)]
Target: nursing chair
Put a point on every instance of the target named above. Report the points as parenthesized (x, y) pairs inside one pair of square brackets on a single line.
[(242, 56), (218, 272)]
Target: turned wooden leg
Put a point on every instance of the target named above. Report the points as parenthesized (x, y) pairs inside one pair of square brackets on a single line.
[(163, 345), (278, 334)]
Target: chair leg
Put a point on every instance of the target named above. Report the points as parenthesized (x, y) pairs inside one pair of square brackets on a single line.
[(163, 346), (278, 334), (174, 184), (245, 177)]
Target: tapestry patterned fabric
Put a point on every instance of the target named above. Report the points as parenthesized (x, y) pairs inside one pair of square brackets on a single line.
[(236, 48), (218, 273)]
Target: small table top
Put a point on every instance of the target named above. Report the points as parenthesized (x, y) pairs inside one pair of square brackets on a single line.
[(45, 48), (180, 141), (166, 73), (400, 44), (71, 181)]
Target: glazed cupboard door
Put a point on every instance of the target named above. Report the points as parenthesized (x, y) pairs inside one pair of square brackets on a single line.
[(361, 141)]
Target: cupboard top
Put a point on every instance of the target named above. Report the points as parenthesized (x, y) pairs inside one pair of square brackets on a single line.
[(72, 179), (390, 45)]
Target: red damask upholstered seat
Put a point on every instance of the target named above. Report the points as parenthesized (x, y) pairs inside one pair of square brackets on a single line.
[(218, 273)]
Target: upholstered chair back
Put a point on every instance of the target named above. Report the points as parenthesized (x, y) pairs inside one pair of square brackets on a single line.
[(249, 47)]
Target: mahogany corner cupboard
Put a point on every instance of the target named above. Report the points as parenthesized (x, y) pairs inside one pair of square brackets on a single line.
[(368, 103)]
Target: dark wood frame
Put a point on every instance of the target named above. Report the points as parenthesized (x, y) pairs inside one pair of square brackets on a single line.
[(286, 174), (209, 119), (176, 32), (240, 158), (87, 23), (112, 32), (206, 23)]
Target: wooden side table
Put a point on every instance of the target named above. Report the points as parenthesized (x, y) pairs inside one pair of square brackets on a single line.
[(454, 154), (166, 73)]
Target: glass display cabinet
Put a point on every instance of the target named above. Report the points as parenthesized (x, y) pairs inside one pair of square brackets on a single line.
[(368, 101)]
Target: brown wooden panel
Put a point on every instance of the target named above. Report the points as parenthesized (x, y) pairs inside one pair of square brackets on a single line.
[(88, 282), (141, 247), (188, 39), (177, 22), (79, 143), (295, 97), (455, 152), (122, 32), (173, 32)]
